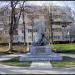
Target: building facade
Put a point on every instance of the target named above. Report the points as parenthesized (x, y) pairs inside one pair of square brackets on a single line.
[(60, 18)]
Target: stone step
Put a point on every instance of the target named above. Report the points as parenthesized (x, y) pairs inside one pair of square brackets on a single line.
[(40, 58), (44, 64), (43, 56)]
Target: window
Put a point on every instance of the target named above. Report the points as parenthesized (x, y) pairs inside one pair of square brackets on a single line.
[(45, 29), (22, 31), (0, 38), (56, 23), (0, 32), (30, 37), (15, 38), (63, 13), (29, 30), (22, 38), (64, 25), (55, 16), (32, 30), (55, 10), (49, 37), (56, 37), (56, 29), (16, 32), (6, 32)]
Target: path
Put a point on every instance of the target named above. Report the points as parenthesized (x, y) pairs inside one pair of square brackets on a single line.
[(43, 64), (45, 69), (69, 55), (7, 57), (18, 70)]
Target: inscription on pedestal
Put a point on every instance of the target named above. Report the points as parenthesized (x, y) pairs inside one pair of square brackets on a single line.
[(40, 50)]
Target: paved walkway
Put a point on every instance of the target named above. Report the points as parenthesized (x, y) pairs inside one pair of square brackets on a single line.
[(69, 55), (7, 57), (43, 64), (4, 69), (40, 67)]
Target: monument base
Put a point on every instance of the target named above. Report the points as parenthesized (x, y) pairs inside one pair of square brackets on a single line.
[(40, 53)]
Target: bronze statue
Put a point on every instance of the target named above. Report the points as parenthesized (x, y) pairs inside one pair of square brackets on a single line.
[(40, 39)]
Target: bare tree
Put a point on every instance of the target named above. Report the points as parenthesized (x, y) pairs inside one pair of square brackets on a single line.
[(11, 25), (4, 19), (14, 21), (23, 17)]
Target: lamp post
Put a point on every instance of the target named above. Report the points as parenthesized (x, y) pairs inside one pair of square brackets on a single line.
[(69, 35), (50, 19)]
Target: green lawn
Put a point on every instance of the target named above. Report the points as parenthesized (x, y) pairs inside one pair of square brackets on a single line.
[(66, 62), (19, 47), (56, 47), (64, 47), (15, 47), (16, 62), (3, 48)]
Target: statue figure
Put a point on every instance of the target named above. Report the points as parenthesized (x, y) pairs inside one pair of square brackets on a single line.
[(40, 39), (40, 51)]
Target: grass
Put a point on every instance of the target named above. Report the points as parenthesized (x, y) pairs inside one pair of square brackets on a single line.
[(64, 64), (64, 48), (15, 47), (3, 48), (67, 62), (16, 62), (19, 47)]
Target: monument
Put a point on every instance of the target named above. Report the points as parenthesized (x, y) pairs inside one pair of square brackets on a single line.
[(40, 50)]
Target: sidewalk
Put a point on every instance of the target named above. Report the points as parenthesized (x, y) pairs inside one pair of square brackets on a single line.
[(35, 68), (41, 64), (10, 56), (69, 55), (5, 57)]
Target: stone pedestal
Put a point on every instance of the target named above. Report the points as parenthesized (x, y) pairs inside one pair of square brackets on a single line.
[(40, 50), (40, 53)]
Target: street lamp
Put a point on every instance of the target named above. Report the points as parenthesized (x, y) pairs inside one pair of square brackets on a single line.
[(69, 35)]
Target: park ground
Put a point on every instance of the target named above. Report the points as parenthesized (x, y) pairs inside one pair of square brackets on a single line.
[(11, 68), (66, 50), (58, 48)]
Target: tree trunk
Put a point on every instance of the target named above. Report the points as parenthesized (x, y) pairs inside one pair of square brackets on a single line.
[(10, 42), (51, 30), (11, 28), (50, 27), (32, 32), (24, 26), (32, 26), (24, 33), (14, 23)]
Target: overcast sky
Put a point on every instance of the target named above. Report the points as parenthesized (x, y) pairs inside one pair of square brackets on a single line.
[(58, 3)]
